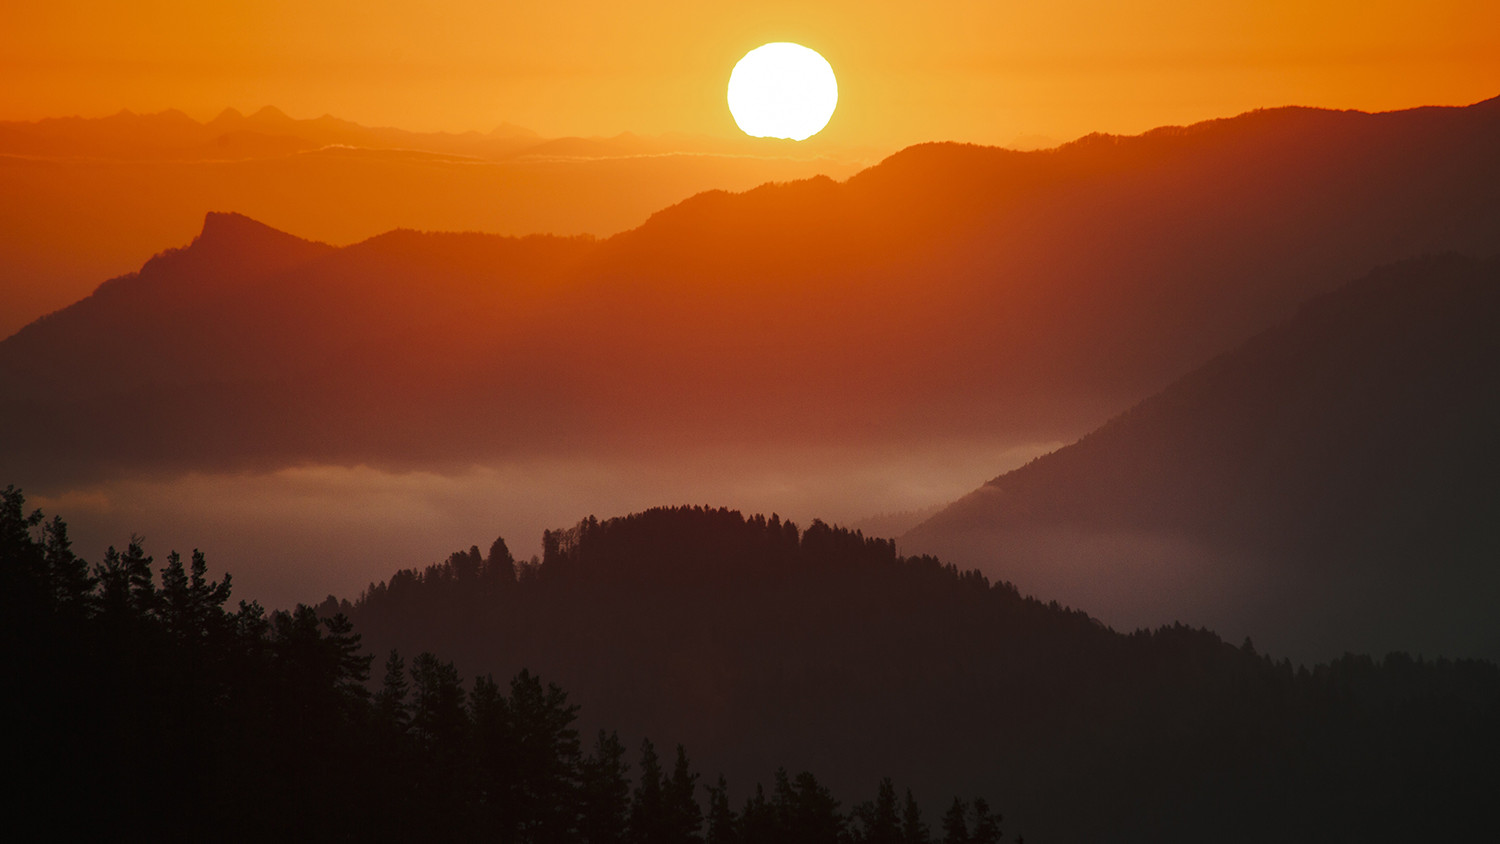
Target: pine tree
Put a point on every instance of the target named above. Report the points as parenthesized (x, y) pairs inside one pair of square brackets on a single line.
[(126, 584), (176, 599), (646, 805), (757, 824), (986, 825), (682, 817), (815, 817), (438, 718), (604, 792), (392, 712), (351, 666), (499, 571), (783, 802), (880, 822), (189, 606), (493, 750), (547, 758), (466, 565), (955, 824), (913, 829), (72, 583), (722, 821)]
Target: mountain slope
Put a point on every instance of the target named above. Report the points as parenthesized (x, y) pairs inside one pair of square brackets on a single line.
[(89, 199), (1330, 484), (950, 293)]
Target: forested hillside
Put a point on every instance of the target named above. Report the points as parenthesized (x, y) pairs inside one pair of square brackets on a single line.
[(142, 708), (759, 643)]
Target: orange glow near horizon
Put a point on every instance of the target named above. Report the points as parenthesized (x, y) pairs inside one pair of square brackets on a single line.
[(973, 71)]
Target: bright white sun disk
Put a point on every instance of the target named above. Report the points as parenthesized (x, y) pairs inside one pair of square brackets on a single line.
[(782, 90)]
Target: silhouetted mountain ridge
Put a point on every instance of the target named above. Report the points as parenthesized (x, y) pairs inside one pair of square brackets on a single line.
[(951, 292), (1345, 453)]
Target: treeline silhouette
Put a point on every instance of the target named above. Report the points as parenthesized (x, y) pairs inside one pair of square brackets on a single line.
[(758, 642), (140, 707)]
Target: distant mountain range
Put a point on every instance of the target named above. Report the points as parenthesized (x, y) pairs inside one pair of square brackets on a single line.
[(91, 198), (1330, 484), (949, 292)]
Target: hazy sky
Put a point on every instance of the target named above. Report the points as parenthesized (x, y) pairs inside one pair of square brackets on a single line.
[(977, 71)]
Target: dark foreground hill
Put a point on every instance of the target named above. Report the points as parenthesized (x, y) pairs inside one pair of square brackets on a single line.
[(758, 644), (950, 292), (1331, 484), (142, 708)]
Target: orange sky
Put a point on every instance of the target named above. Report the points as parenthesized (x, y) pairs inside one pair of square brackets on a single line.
[(978, 71)]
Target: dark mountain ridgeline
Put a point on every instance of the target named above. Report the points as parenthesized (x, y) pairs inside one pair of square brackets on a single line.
[(950, 291), (755, 641), (1338, 470)]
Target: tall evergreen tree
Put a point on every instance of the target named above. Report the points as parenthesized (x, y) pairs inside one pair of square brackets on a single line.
[(351, 666), (880, 821), (604, 792), (438, 717), (913, 829), (986, 826), (190, 607), (646, 804), (126, 586), (392, 712), (814, 816), (499, 571), (492, 748), (547, 758), (955, 824), (757, 824), (722, 821), (783, 801), (682, 817), (72, 583)]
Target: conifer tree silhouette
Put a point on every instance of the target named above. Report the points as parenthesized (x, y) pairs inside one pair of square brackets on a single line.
[(722, 820), (955, 825), (913, 829), (682, 816), (646, 805), (604, 792)]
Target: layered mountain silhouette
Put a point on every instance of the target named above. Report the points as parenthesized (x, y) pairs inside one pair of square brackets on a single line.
[(88, 199), (951, 291), (1330, 484), (758, 644)]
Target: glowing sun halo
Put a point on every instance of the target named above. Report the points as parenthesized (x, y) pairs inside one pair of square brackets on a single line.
[(782, 90)]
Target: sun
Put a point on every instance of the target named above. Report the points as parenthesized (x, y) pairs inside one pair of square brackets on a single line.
[(782, 90)]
